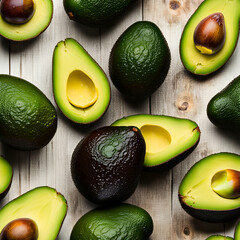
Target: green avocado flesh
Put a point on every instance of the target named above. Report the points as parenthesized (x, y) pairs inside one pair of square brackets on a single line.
[(81, 88), (223, 108), (6, 174), (95, 12), (43, 205), (28, 120), (237, 232), (193, 59), (120, 222), (166, 137), (36, 25), (219, 237), (196, 193)]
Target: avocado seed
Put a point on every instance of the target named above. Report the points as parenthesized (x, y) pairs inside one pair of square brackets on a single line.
[(17, 11), (226, 183), (210, 34), (20, 229)]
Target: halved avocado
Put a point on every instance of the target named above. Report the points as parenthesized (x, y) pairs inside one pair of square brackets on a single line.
[(37, 24), (6, 174), (202, 64), (81, 88), (237, 232), (199, 197), (168, 139), (44, 205), (219, 237)]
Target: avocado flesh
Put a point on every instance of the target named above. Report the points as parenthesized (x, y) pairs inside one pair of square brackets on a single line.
[(73, 68), (43, 205), (237, 232), (195, 190), (166, 137), (36, 25), (6, 174), (121, 222), (219, 237), (202, 64)]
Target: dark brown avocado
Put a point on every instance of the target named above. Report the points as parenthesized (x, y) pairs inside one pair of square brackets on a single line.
[(106, 165)]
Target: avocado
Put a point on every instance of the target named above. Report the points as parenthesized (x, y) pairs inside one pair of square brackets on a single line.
[(168, 139), (121, 222), (223, 108), (95, 12), (44, 205), (6, 175), (237, 232), (219, 237), (204, 64), (20, 20), (28, 120), (198, 193), (81, 88), (106, 164), (139, 60)]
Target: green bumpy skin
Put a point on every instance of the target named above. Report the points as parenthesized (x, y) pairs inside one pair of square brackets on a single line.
[(202, 64), (28, 120), (223, 108), (219, 237), (95, 12), (139, 60), (121, 222)]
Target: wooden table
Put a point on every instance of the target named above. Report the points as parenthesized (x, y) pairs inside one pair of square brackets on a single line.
[(181, 95)]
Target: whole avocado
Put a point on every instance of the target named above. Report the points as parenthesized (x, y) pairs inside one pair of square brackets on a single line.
[(28, 120), (139, 60), (95, 12)]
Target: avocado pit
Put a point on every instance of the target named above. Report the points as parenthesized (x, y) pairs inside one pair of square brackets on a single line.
[(17, 11), (81, 91)]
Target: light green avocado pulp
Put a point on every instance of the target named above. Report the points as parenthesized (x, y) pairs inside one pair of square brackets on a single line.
[(195, 189), (81, 88), (197, 62), (219, 237), (43, 205), (6, 174), (37, 24), (166, 137), (237, 232)]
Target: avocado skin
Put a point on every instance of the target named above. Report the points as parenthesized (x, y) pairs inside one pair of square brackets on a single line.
[(106, 165), (95, 12), (223, 108), (139, 60), (219, 237), (122, 222), (28, 120)]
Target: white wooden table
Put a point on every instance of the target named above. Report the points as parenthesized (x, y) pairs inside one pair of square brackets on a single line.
[(181, 95)]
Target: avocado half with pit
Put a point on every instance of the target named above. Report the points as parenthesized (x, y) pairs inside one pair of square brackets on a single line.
[(210, 190), (168, 139), (81, 88), (41, 16), (6, 174), (204, 64), (43, 205)]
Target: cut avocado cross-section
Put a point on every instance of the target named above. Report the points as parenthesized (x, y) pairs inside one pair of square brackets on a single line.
[(168, 139)]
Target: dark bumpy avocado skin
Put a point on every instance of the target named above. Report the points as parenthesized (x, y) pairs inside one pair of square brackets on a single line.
[(139, 60), (95, 12), (28, 120), (121, 222), (223, 110), (106, 165)]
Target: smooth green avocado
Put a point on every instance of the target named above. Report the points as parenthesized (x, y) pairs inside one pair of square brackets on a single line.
[(219, 237), (44, 205), (81, 88), (121, 222), (198, 193), (6, 174), (95, 12), (40, 20), (139, 60), (28, 120), (168, 139), (106, 165), (204, 64), (223, 108)]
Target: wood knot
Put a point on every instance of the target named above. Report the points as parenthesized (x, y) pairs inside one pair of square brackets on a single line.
[(184, 106), (174, 5), (186, 231)]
